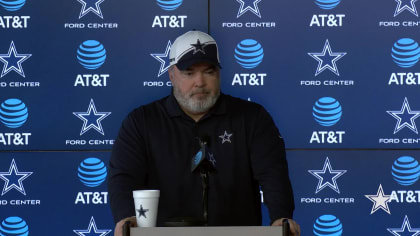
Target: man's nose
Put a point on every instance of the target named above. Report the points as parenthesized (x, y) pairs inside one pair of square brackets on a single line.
[(199, 80)]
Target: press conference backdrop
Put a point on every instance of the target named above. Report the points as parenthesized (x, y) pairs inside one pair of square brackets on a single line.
[(340, 79)]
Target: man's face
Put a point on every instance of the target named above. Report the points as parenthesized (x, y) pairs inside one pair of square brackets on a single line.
[(196, 88)]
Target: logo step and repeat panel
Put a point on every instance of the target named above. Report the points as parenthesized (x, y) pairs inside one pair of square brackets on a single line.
[(340, 81)]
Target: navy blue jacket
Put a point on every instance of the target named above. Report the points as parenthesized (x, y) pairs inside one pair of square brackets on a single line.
[(154, 148)]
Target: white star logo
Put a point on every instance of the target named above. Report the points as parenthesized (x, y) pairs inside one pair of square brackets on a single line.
[(92, 226), (327, 59), (13, 179), (13, 61), (407, 5), (91, 6), (225, 137), (254, 8), (163, 58), (380, 201), (329, 174), (408, 115), (92, 118), (405, 225)]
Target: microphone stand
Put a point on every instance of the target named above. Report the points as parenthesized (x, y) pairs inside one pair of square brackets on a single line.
[(205, 183)]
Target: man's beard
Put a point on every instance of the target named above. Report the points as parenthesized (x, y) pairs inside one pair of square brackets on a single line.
[(196, 106)]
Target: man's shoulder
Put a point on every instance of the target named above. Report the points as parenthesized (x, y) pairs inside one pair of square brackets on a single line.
[(241, 105)]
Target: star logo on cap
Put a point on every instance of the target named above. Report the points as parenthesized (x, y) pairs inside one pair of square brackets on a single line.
[(327, 59), (405, 226), (163, 58), (380, 201), (198, 47), (92, 118), (90, 6), (407, 115), (225, 137), (13, 179), (327, 177), (142, 212), (92, 230), (13, 61), (248, 5), (407, 5)]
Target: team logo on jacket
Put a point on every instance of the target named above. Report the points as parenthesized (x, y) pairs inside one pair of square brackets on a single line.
[(225, 137)]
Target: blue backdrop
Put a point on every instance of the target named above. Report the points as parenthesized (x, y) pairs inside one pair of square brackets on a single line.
[(340, 79)]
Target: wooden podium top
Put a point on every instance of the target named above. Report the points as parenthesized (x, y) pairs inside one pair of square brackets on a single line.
[(208, 231)]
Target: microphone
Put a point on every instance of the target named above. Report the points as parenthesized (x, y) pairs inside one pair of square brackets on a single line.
[(204, 159)]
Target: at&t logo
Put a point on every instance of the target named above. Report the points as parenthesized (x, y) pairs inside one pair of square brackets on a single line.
[(327, 20), (249, 53), (92, 173), (327, 112), (406, 172), (91, 54), (14, 114), (171, 21), (14, 22), (406, 54), (14, 225), (327, 225)]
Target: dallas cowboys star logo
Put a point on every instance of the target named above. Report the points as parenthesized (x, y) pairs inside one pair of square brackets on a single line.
[(163, 58), (13, 179), (405, 5), (225, 137), (405, 225), (13, 61), (248, 5), (211, 159), (91, 6), (327, 59), (380, 201), (92, 230), (198, 47), (142, 212), (405, 116), (92, 118), (327, 177)]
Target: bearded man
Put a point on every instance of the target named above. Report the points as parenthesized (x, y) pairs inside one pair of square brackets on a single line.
[(157, 141)]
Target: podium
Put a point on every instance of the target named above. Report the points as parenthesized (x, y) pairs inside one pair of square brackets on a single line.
[(206, 231)]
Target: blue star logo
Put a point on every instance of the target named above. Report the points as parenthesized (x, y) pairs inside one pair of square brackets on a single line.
[(92, 230), (91, 6), (211, 159), (406, 5), (405, 117), (163, 58), (142, 211), (13, 179), (13, 61), (92, 118), (405, 226), (248, 5), (327, 177), (327, 59)]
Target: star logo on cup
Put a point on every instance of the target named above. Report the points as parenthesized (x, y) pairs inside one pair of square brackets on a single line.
[(142, 212)]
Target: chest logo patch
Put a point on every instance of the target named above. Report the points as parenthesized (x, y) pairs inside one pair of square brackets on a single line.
[(226, 137)]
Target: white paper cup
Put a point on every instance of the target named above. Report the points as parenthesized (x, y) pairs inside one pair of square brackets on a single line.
[(146, 205)]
